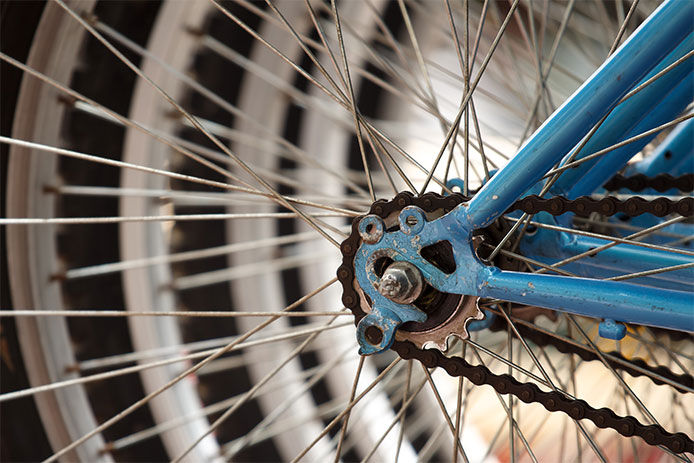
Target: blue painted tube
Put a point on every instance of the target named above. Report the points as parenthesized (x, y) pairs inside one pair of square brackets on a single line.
[(677, 149), (659, 102), (644, 49), (606, 166), (617, 260), (595, 298), (601, 270)]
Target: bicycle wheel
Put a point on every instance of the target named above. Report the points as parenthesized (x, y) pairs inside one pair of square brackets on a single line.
[(181, 176)]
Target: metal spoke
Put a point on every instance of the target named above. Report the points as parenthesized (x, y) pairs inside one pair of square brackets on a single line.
[(160, 218), (395, 60), (417, 51), (218, 353), (624, 385), (237, 345), (548, 68), (184, 256), (512, 422), (234, 57), (185, 348), (657, 271), (196, 198), (345, 422), (611, 358), (575, 231), (314, 374), (623, 28), (352, 99), (648, 133), (249, 394), (150, 170), (458, 414), (184, 314), (444, 412), (405, 393), (274, 194), (197, 280), (595, 251), (398, 417), (347, 409), (468, 94), (340, 98)]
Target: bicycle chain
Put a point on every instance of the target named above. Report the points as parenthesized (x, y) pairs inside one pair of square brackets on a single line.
[(506, 384), (660, 183)]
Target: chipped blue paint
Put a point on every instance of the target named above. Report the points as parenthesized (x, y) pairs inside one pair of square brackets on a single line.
[(387, 321), (615, 300)]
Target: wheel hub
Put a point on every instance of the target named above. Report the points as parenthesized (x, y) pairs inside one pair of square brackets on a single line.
[(402, 305)]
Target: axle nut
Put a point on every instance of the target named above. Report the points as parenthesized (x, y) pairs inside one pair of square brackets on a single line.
[(401, 282)]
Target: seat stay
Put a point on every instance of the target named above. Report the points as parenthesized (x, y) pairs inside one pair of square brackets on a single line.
[(664, 30)]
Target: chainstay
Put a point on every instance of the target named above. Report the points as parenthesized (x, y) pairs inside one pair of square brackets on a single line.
[(479, 374), (660, 183)]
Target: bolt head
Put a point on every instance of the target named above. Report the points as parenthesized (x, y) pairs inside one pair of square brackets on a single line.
[(401, 282), (390, 286)]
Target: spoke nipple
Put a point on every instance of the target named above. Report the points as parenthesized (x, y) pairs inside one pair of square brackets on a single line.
[(610, 329)]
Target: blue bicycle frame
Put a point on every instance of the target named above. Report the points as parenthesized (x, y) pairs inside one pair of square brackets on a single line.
[(661, 40)]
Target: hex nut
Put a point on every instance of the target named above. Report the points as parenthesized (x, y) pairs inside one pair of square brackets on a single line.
[(402, 282)]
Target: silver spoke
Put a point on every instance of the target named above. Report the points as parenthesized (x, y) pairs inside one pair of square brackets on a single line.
[(160, 228), (345, 422), (347, 409), (249, 394), (468, 94), (512, 421), (129, 313), (648, 133), (444, 412), (657, 271), (281, 200), (150, 170), (235, 345), (405, 394), (218, 353), (218, 47), (401, 414)]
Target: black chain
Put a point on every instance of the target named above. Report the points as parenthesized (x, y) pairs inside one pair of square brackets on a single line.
[(585, 205), (660, 183), (505, 384)]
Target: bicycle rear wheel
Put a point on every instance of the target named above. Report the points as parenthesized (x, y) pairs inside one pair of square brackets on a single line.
[(230, 202)]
